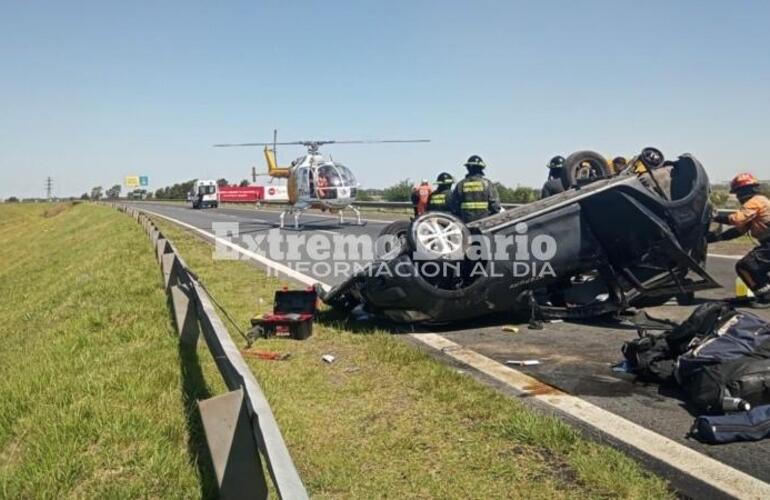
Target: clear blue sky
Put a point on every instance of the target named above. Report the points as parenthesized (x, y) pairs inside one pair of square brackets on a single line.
[(93, 91)]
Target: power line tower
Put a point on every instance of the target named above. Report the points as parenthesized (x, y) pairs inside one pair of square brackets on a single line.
[(48, 188)]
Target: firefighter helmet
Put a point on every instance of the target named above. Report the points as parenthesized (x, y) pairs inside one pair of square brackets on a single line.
[(445, 179), (475, 161), (741, 181), (556, 162)]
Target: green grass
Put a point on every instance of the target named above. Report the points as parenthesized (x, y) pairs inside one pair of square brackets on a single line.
[(92, 400), (388, 420)]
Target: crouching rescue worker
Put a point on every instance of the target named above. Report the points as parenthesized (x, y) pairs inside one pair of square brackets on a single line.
[(554, 184), (475, 197), (441, 199), (420, 197), (753, 218)]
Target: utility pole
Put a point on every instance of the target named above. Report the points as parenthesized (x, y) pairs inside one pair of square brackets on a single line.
[(253, 175), (48, 187)]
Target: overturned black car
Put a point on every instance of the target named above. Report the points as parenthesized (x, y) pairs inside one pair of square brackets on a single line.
[(607, 243)]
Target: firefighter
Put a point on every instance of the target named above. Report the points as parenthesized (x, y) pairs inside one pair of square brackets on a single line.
[(420, 197), (553, 185), (475, 197), (441, 199), (619, 164), (753, 218)]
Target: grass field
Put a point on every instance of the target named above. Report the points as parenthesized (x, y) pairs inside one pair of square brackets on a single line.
[(388, 420), (92, 403)]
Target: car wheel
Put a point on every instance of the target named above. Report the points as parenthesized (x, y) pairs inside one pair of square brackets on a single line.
[(584, 167), (439, 236), (392, 240)]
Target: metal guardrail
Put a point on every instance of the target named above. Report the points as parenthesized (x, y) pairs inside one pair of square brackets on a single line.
[(239, 425), (389, 204)]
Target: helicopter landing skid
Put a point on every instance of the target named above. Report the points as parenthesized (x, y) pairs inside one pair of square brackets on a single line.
[(356, 211), (295, 213)]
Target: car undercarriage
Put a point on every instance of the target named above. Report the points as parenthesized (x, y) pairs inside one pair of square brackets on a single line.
[(633, 239)]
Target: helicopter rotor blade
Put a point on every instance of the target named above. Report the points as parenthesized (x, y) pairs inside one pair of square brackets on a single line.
[(376, 141), (295, 143)]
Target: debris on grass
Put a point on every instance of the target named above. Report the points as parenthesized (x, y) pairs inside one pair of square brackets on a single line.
[(510, 329), (328, 358), (266, 355)]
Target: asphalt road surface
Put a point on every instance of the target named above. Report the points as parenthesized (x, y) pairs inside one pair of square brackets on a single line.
[(576, 358)]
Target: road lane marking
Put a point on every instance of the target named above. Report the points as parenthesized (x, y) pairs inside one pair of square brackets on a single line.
[(677, 456), (712, 472), (723, 256)]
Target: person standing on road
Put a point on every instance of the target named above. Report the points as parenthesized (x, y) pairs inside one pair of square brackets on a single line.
[(475, 197), (554, 184), (753, 218), (441, 199), (420, 197)]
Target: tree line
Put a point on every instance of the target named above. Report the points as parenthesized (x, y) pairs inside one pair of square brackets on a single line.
[(402, 190)]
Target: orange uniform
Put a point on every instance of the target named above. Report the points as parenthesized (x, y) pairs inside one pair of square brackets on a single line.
[(753, 218)]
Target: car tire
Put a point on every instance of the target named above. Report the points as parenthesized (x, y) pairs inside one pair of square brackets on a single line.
[(576, 172), (397, 231), (439, 236)]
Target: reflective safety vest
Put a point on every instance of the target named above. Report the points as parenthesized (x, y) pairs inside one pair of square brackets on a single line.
[(474, 199), (439, 201)]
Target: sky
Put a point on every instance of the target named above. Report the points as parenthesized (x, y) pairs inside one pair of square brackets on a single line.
[(93, 91)]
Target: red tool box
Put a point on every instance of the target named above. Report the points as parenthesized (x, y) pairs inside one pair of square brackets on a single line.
[(292, 316)]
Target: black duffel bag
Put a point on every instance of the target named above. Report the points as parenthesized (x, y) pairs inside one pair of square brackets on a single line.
[(652, 356), (728, 364)]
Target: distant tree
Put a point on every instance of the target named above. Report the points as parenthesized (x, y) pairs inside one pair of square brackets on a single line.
[(401, 191), (222, 182), (96, 193), (176, 192), (719, 197), (364, 195), (85, 196), (113, 192), (244, 183), (765, 188), (12, 199), (519, 194)]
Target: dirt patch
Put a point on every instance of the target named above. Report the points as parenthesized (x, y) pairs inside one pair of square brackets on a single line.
[(57, 209)]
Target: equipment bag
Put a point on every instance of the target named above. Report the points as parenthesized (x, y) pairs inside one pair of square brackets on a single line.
[(652, 356), (702, 321), (722, 364), (751, 425), (650, 359), (730, 385)]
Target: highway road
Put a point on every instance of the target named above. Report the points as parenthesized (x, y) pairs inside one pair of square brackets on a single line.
[(576, 358)]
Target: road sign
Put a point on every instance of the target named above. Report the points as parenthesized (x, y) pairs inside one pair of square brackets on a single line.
[(144, 181), (131, 181)]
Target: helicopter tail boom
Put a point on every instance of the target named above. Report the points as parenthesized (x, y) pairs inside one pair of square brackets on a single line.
[(273, 170)]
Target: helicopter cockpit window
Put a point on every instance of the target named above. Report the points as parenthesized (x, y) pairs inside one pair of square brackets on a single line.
[(346, 175)]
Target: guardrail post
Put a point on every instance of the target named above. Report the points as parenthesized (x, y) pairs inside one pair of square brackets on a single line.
[(172, 269), (185, 315), (162, 247), (231, 444)]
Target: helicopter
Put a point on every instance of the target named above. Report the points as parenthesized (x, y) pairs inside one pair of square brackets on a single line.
[(315, 181)]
